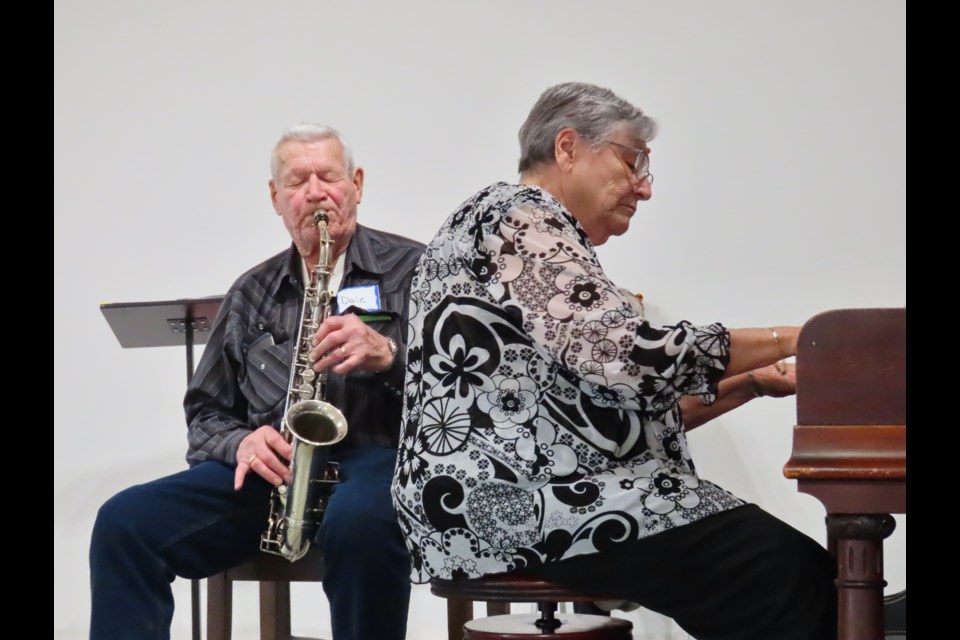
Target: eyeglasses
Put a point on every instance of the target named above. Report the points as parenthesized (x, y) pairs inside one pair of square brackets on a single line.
[(641, 166)]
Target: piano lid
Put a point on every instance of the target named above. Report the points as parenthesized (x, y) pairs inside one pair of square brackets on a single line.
[(851, 368)]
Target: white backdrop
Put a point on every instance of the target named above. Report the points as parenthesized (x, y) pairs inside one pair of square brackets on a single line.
[(780, 193)]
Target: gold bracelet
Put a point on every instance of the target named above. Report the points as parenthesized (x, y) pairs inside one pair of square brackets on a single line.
[(776, 338), (755, 386)]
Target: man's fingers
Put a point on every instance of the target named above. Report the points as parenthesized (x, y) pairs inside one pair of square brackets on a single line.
[(328, 326), (263, 469), (239, 474), (271, 468), (348, 363), (337, 355), (279, 444)]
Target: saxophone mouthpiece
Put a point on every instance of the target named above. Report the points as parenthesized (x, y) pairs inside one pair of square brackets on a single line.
[(320, 216)]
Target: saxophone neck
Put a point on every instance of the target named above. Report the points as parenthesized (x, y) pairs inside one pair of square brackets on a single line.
[(326, 257)]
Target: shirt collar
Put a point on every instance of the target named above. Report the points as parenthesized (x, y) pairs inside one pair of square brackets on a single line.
[(360, 255)]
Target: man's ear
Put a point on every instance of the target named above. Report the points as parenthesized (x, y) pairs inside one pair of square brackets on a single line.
[(358, 182), (273, 195), (565, 148)]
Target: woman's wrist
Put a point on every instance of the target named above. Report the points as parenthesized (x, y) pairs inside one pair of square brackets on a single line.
[(780, 350), (755, 385)]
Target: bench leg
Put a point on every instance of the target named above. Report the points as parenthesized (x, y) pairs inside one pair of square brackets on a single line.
[(459, 613)]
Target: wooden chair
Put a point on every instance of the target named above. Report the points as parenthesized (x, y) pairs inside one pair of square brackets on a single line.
[(274, 575), (498, 591)]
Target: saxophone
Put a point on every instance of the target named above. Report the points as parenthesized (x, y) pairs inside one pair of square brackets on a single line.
[(309, 423)]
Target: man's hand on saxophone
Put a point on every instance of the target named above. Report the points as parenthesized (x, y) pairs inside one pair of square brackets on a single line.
[(265, 452), (346, 342)]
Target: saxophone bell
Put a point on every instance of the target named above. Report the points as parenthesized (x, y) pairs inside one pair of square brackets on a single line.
[(316, 423)]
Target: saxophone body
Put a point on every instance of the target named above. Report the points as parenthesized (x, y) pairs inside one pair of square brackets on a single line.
[(310, 424)]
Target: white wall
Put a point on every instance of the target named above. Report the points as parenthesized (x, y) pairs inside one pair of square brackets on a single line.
[(780, 192)]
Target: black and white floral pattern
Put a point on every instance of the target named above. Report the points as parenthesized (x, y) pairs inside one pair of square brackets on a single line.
[(540, 419)]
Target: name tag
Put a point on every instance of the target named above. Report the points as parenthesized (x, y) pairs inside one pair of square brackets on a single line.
[(366, 298)]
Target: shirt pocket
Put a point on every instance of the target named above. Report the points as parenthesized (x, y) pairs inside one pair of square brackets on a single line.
[(268, 373)]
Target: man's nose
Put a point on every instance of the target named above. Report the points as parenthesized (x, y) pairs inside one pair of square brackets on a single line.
[(315, 189)]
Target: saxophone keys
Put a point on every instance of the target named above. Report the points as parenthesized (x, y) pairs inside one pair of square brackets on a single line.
[(308, 375), (305, 391)]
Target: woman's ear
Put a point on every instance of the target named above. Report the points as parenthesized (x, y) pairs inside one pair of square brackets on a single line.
[(565, 148)]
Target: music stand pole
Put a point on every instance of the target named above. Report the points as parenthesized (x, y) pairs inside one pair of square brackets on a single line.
[(194, 582)]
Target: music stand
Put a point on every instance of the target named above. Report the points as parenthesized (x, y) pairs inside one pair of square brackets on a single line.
[(166, 323)]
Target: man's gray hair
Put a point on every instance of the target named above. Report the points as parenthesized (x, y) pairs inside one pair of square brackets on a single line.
[(310, 132), (595, 112)]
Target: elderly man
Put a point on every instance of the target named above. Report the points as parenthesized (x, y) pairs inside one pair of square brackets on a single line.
[(198, 522)]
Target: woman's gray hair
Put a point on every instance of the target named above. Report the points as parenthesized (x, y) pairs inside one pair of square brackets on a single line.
[(310, 132), (595, 112)]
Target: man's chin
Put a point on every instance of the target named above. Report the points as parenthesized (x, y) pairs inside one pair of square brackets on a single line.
[(340, 231)]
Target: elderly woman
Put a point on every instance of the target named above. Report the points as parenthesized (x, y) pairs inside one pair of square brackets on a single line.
[(543, 428)]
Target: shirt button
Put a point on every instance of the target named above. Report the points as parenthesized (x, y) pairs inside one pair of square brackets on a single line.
[(260, 326), (262, 366)]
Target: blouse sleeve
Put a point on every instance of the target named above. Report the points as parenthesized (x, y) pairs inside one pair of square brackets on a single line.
[(544, 270)]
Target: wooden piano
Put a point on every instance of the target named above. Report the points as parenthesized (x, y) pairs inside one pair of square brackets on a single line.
[(849, 447)]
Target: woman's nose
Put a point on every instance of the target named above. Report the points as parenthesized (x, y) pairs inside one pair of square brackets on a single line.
[(644, 188)]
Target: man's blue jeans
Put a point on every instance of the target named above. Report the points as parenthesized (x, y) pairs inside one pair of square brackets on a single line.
[(194, 525)]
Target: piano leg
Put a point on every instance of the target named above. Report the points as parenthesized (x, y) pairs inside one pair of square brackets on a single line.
[(857, 541)]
